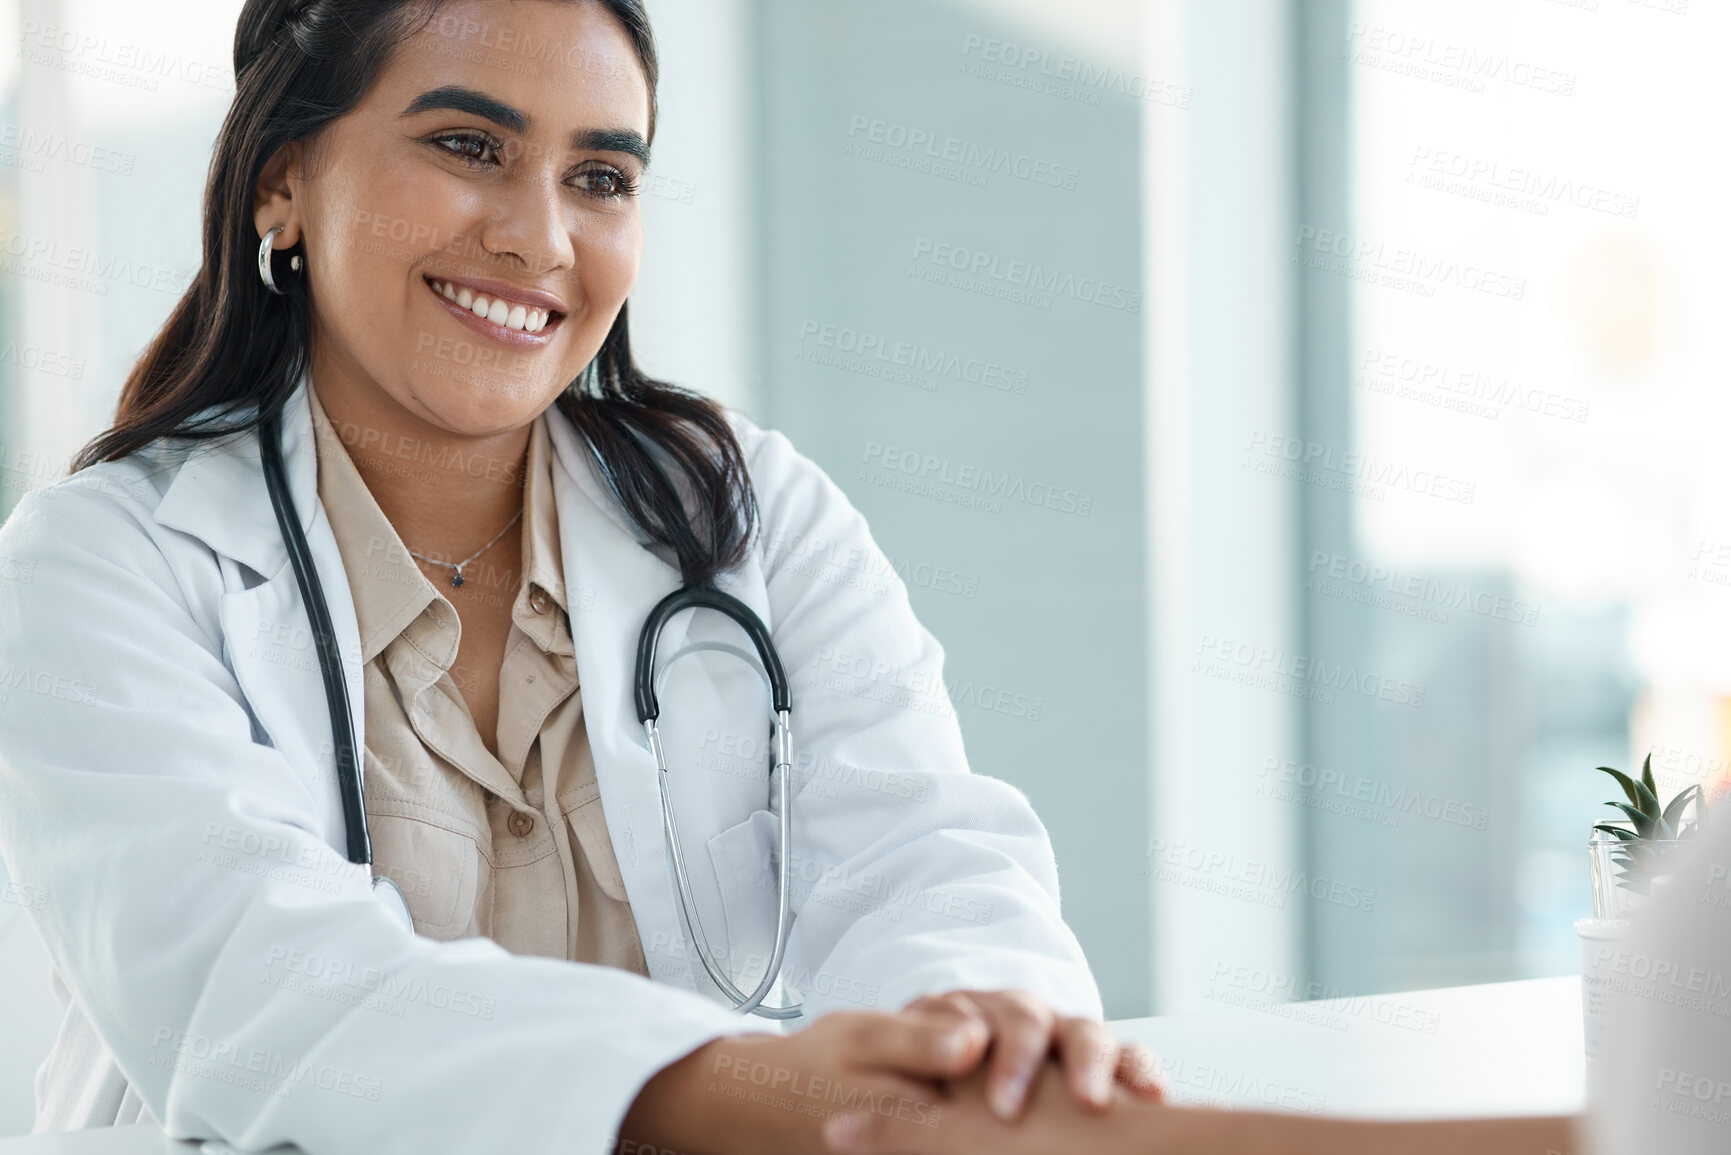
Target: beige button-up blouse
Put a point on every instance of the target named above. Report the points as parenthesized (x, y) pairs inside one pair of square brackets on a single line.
[(514, 847)]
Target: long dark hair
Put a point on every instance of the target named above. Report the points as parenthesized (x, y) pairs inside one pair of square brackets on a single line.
[(232, 352)]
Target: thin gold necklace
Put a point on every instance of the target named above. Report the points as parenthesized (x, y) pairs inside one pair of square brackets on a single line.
[(457, 576)]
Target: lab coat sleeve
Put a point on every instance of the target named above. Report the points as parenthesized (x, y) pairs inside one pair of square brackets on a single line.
[(912, 875), (246, 981)]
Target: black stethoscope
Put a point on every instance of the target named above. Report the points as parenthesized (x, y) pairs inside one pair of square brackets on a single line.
[(360, 847)]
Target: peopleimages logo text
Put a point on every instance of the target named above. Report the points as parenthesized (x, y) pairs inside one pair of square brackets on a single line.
[(1427, 58), (1461, 388), (1453, 595), (918, 358), (89, 54), (933, 470), (1321, 785), (1277, 662), (1400, 266), (966, 154), (1326, 460), (1072, 70), (1489, 173), (1267, 876), (54, 146), (982, 266)]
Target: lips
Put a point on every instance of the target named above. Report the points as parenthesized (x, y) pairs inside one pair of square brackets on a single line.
[(499, 307)]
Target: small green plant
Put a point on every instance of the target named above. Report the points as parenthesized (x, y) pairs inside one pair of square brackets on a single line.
[(1653, 832)]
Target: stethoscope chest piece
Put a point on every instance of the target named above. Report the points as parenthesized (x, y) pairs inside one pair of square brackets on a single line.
[(391, 895)]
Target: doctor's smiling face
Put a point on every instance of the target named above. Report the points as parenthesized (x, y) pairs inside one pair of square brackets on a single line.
[(471, 229)]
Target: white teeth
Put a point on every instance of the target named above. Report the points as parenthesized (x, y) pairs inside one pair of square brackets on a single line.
[(521, 318)]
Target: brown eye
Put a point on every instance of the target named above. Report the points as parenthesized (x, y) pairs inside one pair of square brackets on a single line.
[(606, 183), (473, 149)]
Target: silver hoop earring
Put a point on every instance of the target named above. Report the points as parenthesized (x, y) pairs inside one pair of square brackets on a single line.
[(264, 252)]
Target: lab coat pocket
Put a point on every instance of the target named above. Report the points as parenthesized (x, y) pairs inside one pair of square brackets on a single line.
[(437, 870), (746, 864)]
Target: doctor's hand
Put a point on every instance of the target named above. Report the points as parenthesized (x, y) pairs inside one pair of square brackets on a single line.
[(1025, 1032), (764, 1092)]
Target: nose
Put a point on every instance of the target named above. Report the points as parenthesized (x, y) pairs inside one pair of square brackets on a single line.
[(532, 223)]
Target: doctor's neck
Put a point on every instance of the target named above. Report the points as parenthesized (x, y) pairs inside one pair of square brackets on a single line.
[(445, 493)]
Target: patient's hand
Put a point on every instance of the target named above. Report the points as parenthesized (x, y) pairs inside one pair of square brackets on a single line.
[(1053, 1122)]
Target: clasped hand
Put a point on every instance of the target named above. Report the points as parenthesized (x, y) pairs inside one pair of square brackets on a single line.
[(835, 1084), (1014, 1032)]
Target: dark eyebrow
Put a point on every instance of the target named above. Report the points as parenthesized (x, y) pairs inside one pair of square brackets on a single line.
[(460, 99), (625, 140)]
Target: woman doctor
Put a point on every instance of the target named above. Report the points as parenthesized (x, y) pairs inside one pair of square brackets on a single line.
[(448, 197)]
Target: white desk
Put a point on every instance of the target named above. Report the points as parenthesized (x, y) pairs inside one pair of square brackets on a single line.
[(1501, 1049)]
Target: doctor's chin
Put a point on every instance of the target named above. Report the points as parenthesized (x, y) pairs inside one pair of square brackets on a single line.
[(721, 578)]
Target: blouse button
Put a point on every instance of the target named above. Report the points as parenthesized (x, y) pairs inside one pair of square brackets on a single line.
[(521, 824), (539, 600)]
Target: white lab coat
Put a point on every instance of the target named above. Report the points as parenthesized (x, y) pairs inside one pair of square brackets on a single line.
[(168, 795)]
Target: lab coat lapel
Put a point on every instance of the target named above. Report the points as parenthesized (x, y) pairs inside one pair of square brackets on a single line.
[(271, 652), (611, 582), (220, 498), (617, 581)]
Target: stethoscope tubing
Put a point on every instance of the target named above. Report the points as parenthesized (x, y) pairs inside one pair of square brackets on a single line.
[(360, 845), (781, 772), (695, 597)]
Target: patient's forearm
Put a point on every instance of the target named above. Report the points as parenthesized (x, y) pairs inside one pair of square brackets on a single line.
[(1247, 1133), (1055, 1122)]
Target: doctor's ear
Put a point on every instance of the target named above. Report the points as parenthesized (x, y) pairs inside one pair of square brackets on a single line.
[(273, 198)]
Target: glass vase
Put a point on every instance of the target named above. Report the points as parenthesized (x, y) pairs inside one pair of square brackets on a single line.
[(1624, 872)]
